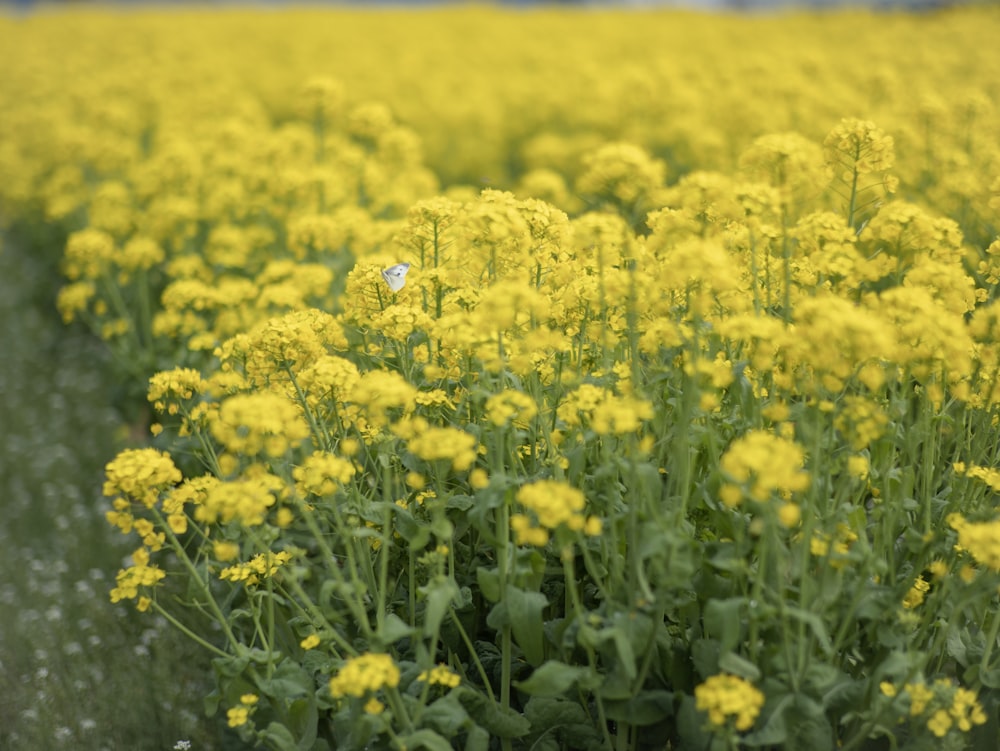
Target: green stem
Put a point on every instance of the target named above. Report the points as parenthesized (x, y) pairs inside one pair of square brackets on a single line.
[(506, 645), (472, 652), (188, 632)]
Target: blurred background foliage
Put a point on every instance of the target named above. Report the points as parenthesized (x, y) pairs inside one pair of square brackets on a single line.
[(75, 671)]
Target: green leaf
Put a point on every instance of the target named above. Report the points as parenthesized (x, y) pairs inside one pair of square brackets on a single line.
[(446, 715), (525, 612), (289, 681), (815, 623), (442, 528), (478, 740), (279, 737), (648, 708), (705, 656), (500, 722), (546, 712), (561, 723), (808, 725), (424, 738), (691, 726), (415, 533), (723, 621), (990, 677), (730, 662), (439, 594), (393, 629), (489, 583), (552, 679), (774, 730), (460, 502), (303, 718), (230, 667), (263, 656)]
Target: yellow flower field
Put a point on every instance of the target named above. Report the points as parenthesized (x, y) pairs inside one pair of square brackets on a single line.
[(672, 424)]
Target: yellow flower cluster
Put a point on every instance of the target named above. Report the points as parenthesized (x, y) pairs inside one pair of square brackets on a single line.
[(684, 252), (259, 567), (511, 407), (980, 539), (140, 476), (245, 500), (321, 474), (917, 593), (987, 475), (140, 574), (239, 716), (366, 673), (943, 706), (603, 412), (729, 699), (256, 423), (441, 675), (762, 464), (433, 444), (554, 504)]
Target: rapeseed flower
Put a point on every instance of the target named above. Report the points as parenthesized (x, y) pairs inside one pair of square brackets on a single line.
[(140, 476), (764, 464), (258, 423), (321, 473), (441, 675), (554, 503), (245, 500), (451, 444), (366, 673), (141, 573), (729, 699), (980, 539), (259, 567)]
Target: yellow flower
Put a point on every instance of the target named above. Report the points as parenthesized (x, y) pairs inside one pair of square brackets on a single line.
[(365, 673), (980, 539), (321, 473), (259, 422), (246, 500), (261, 566), (767, 464), (434, 444), (441, 675), (728, 698), (140, 574), (140, 475), (920, 696), (605, 413), (525, 533), (916, 594), (511, 407), (225, 551), (939, 723), (479, 479), (238, 716), (789, 515), (554, 503), (593, 526), (310, 642)]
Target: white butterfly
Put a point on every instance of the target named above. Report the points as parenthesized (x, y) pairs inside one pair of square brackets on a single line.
[(395, 276)]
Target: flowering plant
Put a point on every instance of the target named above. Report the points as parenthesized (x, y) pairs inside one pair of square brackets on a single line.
[(689, 442)]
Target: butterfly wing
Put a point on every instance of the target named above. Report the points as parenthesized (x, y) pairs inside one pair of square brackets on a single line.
[(395, 276)]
